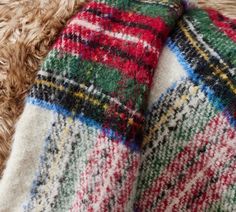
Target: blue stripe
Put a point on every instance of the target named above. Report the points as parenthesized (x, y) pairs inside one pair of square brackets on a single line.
[(162, 96), (215, 100), (89, 122)]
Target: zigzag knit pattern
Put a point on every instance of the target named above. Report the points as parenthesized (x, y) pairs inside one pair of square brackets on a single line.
[(189, 147), (89, 98)]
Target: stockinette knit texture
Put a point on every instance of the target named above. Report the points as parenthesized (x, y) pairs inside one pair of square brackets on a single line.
[(188, 160), (77, 143)]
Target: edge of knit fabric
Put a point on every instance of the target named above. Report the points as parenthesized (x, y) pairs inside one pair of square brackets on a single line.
[(27, 31)]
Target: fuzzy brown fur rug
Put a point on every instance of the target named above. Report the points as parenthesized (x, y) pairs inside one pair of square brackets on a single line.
[(27, 30)]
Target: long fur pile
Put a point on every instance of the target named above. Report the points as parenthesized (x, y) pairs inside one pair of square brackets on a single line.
[(27, 30)]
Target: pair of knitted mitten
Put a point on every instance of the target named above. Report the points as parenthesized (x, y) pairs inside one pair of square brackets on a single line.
[(77, 143), (189, 148)]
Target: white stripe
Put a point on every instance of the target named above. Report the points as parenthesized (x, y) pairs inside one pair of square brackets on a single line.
[(94, 91), (212, 51), (31, 131), (117, 35), (57, 164), (108, 178), (85, 150), (168, 71), (173, 118)]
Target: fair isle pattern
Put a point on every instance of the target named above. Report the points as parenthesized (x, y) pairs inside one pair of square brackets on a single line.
[(188, 160), (94, 83)]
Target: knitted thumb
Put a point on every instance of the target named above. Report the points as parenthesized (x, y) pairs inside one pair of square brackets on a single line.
[(189, 149), (82, 123)]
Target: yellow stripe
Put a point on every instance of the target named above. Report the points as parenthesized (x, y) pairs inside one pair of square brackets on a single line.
[(216, 70), (193, 42), (80, 95), (164, 118)]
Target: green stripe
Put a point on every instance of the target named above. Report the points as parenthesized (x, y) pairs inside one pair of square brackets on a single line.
[(180, 138), (121, 4), (212, 35), (160, 8), (155, 10), (110, 81), (226, 201)]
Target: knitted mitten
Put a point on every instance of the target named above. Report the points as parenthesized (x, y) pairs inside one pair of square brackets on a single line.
[(84, 114), (189, 149)]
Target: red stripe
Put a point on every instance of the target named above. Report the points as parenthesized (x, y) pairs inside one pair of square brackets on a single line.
[(86, 178), (96, 161), (134, 67), (123, 195), (106, 24), (177, 165), (223, 23), (208, 174), (99, 55), (218, 125), (215, 191), (156, 23), (134, 49), (113, 188)]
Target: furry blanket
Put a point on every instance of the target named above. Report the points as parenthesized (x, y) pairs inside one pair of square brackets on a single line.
[(27, 29)]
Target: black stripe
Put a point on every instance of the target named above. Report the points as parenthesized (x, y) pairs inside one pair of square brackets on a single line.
[(51, 149), (225, 20), (113, 50), (205, 70), (66, 97), (184, 44), (212, 59), (233, 26), (227, 61), (155, 32), (107, 119), (160, 108), (72, 88)]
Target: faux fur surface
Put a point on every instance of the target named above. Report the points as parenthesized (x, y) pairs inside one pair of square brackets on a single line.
[(27, 30)]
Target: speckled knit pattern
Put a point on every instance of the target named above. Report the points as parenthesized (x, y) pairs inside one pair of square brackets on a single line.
[(93, 87), (189, 148)]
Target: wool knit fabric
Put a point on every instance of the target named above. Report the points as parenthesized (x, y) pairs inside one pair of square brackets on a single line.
[(80, 143), (188, 160), (77, 143)]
